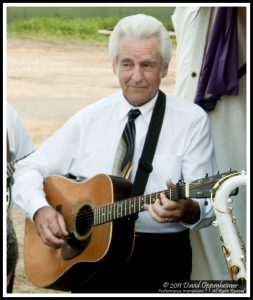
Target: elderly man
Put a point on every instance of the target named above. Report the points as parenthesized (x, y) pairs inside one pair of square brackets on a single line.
[(88, 144)]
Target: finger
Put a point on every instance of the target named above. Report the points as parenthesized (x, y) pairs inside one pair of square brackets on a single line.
[(164, 200), (154, 215), (62, 225), (170, 184), (168, 206), (49, 238), (148, 207)]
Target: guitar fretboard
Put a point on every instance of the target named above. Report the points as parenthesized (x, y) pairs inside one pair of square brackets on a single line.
[(124, 208), (200, 188)]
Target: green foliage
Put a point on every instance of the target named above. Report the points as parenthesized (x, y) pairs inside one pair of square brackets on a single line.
[(74, 29), (61, 29)]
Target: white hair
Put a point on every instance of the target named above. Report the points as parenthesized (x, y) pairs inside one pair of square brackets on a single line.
[(141, 26)]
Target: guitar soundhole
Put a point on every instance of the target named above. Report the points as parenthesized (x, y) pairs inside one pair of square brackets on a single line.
[(79, 239), (84, 220)]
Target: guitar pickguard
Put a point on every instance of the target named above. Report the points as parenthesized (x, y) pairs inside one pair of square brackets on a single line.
[(73, 247)]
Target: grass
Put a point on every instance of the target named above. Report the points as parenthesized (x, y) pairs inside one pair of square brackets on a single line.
[(60, 29), (47, 29)]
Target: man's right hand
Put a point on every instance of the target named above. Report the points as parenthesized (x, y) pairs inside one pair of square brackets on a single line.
[(50, 226)]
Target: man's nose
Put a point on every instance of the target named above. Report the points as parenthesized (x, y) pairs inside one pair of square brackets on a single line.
[(137, 74)]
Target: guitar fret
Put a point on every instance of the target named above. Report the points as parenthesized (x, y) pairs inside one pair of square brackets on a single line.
[(109, 207), (134, 204), (120, 209), (99, 212), (120, 205), (98, 216), (187, 190), (127, 212), (103, 214), (95, 216), (135, 207), (106, 213), (141, 201)]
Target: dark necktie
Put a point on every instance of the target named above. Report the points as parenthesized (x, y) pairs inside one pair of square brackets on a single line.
[(125, 149)]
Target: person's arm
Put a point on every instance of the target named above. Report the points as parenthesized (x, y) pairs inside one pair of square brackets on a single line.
[(198, 160), (53, 157)]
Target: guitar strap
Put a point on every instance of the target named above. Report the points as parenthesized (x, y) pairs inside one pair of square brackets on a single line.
[(145, 162)]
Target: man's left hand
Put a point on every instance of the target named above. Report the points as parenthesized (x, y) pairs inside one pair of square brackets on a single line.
[(166, 210)]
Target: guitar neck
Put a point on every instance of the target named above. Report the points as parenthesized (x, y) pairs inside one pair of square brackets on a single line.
[(200, 188), (127, 207), (11, 165)]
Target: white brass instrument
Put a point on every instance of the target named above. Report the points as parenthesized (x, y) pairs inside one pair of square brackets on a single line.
[(233, 247)]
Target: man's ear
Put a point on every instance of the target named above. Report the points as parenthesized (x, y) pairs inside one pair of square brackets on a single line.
[(164, 70)]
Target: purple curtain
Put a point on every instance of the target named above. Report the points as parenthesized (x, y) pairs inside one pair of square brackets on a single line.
[(219, 72)]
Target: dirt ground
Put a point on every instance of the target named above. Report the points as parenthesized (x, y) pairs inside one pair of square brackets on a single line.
[(47, 83)]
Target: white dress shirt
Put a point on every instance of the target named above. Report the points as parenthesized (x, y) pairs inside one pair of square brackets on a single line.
[(87, 143)]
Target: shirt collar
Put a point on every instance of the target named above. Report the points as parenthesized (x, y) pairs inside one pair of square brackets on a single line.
[(146, 109)]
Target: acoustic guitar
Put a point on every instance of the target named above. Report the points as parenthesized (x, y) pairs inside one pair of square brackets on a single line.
[(100, 221)]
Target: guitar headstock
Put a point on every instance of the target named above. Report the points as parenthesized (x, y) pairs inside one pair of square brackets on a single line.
[(202, 188)]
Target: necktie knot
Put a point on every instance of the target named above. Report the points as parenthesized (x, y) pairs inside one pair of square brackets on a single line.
[(133, 114)]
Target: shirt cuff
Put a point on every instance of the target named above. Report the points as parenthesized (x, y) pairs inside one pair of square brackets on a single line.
[(34, 205)]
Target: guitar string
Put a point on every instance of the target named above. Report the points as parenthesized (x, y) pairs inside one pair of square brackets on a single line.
[(88, 216)]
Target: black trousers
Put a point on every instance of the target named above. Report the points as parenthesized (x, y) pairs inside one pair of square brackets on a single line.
[(157, 259)]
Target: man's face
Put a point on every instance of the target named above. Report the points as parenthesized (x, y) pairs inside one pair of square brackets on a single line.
[(139, 69)]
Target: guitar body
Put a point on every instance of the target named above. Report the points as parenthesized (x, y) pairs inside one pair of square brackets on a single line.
[(91, 246)]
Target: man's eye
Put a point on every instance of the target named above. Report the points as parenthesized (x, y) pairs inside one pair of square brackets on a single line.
[(126, 66), (148, 66)]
